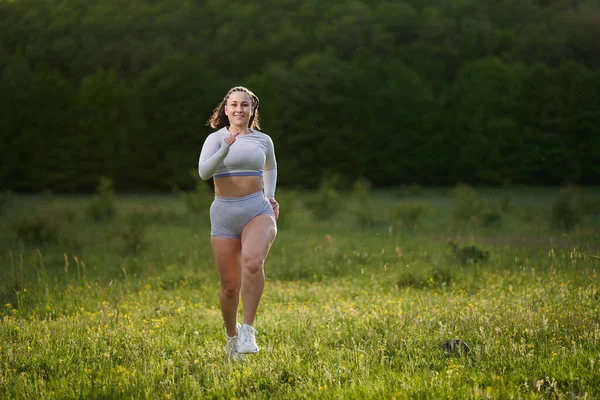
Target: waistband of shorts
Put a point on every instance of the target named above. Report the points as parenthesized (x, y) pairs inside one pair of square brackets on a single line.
[(236, 199)]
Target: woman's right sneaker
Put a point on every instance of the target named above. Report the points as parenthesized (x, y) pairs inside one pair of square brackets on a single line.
[(246, 343), (231, 345)]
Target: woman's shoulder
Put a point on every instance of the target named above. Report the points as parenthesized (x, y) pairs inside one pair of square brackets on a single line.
[(218, 133), (221, 131), (262, 135)]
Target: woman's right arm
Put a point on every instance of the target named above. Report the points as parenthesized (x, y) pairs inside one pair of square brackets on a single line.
[(213, 153)]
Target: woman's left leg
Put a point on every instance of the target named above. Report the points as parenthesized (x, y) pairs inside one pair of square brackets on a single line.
[(257, 238)]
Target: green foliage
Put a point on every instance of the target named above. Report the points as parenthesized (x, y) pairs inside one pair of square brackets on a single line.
[(39, 229), (287, 205), (590, 206), (133, 235), (411, 190), (199, 200), (370, 307), (326, 202), (504, 203), (6, 201), (482, 92), (409, 214), (102, 207), (106, 132), (176, 97), (364, 210), (566, 209), (469, 254), (491, 217), (468, 205), (428, 278)]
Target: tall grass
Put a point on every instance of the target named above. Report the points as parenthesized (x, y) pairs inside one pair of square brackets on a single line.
[(349, 311)]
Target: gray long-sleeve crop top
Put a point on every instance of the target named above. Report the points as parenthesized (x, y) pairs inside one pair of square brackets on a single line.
[(251, 154)]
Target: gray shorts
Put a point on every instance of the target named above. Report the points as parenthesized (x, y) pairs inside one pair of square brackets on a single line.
[(229, 215)]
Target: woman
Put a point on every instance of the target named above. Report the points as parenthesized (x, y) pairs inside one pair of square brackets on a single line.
[(241, 161)]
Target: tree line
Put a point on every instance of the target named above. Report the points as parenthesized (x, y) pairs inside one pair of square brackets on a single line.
[(432, 92)]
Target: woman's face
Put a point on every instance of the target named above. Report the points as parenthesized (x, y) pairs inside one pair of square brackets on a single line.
[(239, 109)]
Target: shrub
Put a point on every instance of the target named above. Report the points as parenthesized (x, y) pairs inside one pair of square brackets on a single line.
[(38, 229), (469, 254), (408, 214), (199, 200), (326, 202), (102, 206), (566, 209), (364, 210), (468, 204), (287, 202)]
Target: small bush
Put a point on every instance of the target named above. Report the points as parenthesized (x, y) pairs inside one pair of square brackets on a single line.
[(38, 229), (326, 202), (199, 200), (469, 254), (566, 209), (102, 206), (364, 211), (409, 214), (468, 204), (287, 205)]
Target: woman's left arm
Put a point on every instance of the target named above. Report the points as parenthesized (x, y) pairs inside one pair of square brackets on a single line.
[(270, 176)]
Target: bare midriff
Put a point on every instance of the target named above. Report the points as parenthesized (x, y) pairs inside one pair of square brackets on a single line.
[(237, 186)]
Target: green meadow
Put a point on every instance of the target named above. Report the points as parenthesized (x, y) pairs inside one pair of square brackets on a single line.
[(115, 296)]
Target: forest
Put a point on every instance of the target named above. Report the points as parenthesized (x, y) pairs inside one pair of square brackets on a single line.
[(429, 92)]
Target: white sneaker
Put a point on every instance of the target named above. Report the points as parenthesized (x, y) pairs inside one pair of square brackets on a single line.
[(230, 346), (246, 343)]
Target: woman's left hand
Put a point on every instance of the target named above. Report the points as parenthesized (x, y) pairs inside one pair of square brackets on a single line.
[(275, 206)]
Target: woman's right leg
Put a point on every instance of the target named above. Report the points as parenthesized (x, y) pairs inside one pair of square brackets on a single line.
[(227, 253)]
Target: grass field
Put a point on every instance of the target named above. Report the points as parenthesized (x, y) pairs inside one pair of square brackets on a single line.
[(356, 306)]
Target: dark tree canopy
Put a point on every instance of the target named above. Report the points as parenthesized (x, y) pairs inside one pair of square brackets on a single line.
[(430, 92)]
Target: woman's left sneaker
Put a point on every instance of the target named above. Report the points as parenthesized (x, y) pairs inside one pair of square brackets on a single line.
[(231, 345), (246, 343)]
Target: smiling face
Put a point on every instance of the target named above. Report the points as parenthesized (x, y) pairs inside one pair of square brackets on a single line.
[(239, 109)]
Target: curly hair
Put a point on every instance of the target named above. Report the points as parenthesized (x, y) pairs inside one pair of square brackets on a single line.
[(219, 119)]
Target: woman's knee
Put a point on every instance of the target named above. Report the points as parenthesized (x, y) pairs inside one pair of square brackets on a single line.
[(253, 264), (230, 289)]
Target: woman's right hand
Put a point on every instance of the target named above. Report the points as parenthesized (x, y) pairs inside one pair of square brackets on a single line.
[(230, 139)]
